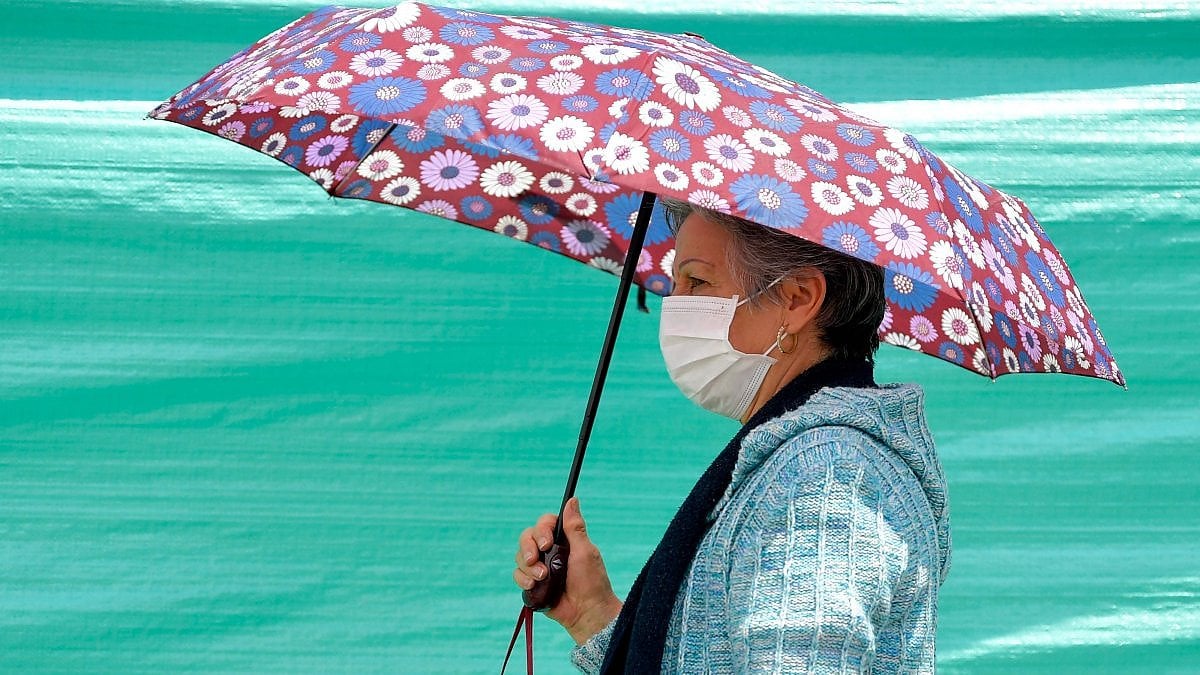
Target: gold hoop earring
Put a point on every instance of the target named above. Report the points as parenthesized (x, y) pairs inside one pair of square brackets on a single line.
[(779, 337)]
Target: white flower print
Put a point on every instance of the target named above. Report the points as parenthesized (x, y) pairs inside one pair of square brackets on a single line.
[(707, 174), (582, 204), (709, 200), (507, 83), (274, 144), (671, 176), (767, 142), (334, 79), (607, 55), (908, 192), (560, 83), (789, 171), (902, 340), (219, 114), (566, 62), (376, 62), (505, 179), (685, 85), (380, 165), (655, 114), (822, 148), (292, 86), (891, 161), (517, 111), (729, 153), (430, 52), (812, 111), (490, 55), (607, 264), (831, 199), (626, 155), (959, 326), (401, 191), (737, 116), (556, 183), (898, 233), (512, 226), (393, 18), (667, 264), (946, 263), (864, 190), (462, 89), (900, 141), (319, 101)]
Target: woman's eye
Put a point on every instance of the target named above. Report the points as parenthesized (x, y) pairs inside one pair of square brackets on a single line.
[(696, 281)]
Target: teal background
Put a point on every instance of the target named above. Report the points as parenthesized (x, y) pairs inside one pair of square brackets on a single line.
[(244, 427)]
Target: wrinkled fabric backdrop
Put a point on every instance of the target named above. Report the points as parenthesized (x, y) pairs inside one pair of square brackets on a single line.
[(247, 428)]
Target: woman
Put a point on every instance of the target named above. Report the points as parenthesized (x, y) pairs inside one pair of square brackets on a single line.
[(818, 539)]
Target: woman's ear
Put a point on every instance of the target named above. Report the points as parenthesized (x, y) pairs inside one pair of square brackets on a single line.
[(803, 297)]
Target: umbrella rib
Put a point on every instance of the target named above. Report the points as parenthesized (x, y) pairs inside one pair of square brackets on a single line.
[(333, 191)]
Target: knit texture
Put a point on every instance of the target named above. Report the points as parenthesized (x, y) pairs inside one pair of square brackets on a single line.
[(826, 552)]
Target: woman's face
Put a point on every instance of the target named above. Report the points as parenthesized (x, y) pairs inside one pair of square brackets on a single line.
[(701, 269)]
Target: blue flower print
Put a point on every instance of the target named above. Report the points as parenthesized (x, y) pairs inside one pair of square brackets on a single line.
[(364, 139), (776, 117), (319, 62), (936, 220), (548, 47), (383, 96), (1005, 328), (537, 209), (822, 170), (261, 127), (581, 103), (1044, 278), (951, 352), (497, 144), (860, 163), (695, 123), (465, 15), (625, 82), (671, 144), (963, 204), (1003, 244), (546, 240), (360, 42), (909, 287), (475, 207), (768, 201), (657, 283), (456, 121), (851, 240), (472, 69), (292, 156), (359, 189), (736, 84), (306, 126), (526, 64), (466, 33), (855, 135), (416, 139), (992, 288), (621, 212)]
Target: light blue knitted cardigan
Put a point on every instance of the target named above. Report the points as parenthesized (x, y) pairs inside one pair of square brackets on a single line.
[(827, 551)]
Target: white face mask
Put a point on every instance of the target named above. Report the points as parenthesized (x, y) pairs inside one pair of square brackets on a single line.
[(693, 333)]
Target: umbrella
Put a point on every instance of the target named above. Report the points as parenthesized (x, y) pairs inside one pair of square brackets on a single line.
[(561, 133)]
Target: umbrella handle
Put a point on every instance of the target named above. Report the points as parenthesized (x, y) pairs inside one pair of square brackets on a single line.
[(547, 592)]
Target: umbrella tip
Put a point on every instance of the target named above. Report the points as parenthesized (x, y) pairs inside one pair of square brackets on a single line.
[(695, 35), (641, 300)]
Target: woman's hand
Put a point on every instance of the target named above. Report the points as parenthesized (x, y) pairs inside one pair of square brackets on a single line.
[(588, 603)]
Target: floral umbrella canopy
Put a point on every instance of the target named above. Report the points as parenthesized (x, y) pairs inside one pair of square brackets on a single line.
[(550, 131)]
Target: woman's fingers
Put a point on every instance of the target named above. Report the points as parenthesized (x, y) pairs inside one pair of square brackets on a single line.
[(530, 544)]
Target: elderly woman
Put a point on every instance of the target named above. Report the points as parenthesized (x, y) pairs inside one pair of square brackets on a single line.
[(819, 537)]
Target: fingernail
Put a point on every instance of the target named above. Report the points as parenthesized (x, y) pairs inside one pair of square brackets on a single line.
[(530, 558), (539, 572)]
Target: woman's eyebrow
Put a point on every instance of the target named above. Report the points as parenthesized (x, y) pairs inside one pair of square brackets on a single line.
[(692, 259)]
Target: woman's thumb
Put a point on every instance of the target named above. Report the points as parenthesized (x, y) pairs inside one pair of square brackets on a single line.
[(573, 525)]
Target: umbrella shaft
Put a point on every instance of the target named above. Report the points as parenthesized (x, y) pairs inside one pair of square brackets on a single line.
[(610, 341)]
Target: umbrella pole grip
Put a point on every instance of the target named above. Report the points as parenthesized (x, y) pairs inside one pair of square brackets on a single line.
[(546, 592)]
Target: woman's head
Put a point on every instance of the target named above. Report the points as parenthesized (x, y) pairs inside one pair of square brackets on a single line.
[(840, 298)]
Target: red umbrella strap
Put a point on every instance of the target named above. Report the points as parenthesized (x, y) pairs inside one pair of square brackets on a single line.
[(524, 619)]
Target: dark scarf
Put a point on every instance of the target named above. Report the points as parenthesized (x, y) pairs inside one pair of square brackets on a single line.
[(641, 631)]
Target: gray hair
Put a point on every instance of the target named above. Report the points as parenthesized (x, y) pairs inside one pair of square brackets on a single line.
[(854, 302)]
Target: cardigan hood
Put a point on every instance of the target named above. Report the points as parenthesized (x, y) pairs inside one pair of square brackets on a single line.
[(894, 414)]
